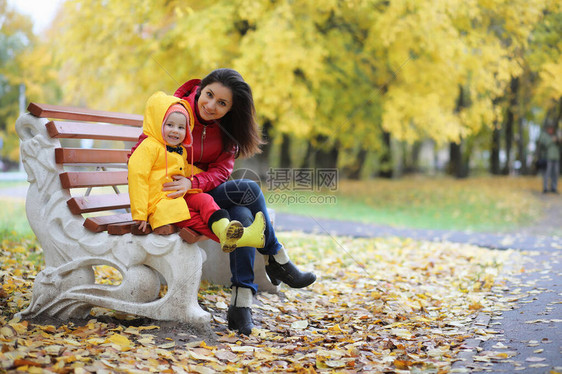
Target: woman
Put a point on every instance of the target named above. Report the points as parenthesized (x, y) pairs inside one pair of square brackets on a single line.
[(225, 128)]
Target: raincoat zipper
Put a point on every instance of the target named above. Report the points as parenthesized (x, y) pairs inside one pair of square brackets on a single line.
[(203, 135)]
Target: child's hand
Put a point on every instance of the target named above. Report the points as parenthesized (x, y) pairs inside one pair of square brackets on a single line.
[(143, 226), (180, 185)]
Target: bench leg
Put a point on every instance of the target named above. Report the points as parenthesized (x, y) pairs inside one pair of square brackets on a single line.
[(69, 291)]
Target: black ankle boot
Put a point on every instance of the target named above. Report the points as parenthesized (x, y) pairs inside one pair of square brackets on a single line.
[(288, 273), (240, 318)]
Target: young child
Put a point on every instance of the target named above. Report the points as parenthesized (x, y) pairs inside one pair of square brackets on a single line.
[(167, 124)]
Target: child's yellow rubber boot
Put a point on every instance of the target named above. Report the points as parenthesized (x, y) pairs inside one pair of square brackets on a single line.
[(254, 235), (228, 232)]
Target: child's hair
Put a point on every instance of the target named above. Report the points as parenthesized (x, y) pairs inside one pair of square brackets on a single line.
[(240, 129)]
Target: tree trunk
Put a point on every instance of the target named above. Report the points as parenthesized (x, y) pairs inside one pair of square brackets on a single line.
[(510, 118), (411, 158), (306, 162), (355, 171), (508, 141), (260, 162), (285, 156), (521, 151), (386, 159), (495, 151), (458, 166), (326, 158)]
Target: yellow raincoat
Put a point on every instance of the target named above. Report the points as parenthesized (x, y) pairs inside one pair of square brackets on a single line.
[(151, 165)]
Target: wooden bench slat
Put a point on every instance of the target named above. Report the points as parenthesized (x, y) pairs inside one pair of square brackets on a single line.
[(77, 179), (82, 114), (191, 236), (120, 228), (68, 130), (100, 223), (97, 203), (94, 156)]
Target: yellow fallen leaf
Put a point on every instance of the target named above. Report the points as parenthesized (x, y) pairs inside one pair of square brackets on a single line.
[(96, 341), (335, 328), (146, 340), (122, 341), (201, 369), (475, 306), (53, 350), (204, 345), (6, 332), (151, 327)]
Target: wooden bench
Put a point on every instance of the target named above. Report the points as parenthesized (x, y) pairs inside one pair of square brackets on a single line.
[(78, 207)]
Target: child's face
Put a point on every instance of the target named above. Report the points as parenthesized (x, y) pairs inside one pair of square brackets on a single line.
[(174, 129)]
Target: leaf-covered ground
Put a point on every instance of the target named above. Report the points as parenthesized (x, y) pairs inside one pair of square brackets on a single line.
[(379, 305)]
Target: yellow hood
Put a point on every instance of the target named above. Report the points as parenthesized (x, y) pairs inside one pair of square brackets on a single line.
[(156, 108)]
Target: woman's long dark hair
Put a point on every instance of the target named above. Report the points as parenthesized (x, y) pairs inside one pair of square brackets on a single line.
[(239, 126)]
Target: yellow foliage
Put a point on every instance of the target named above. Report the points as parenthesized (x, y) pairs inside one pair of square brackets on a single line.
[(346, 70), (551, 80)]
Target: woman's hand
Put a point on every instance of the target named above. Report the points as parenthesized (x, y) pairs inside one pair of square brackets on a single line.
[(180, 185)]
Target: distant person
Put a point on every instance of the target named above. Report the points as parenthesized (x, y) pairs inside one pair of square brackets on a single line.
[(549, 143)]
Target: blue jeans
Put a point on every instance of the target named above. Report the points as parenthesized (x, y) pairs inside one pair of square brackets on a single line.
[(242, 198)]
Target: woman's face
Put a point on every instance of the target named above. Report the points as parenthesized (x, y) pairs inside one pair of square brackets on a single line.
[(215, 101)]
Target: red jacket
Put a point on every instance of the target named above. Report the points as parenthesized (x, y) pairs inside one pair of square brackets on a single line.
[(208, 153)]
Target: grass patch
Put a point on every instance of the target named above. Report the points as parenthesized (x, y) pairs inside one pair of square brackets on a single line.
[(10, 184), (477, 204), (13, 220)]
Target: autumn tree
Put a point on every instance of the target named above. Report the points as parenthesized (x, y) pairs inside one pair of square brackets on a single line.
[(15, 35), (335, 82)]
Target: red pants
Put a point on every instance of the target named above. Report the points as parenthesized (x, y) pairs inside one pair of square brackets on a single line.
[(201, 207)]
